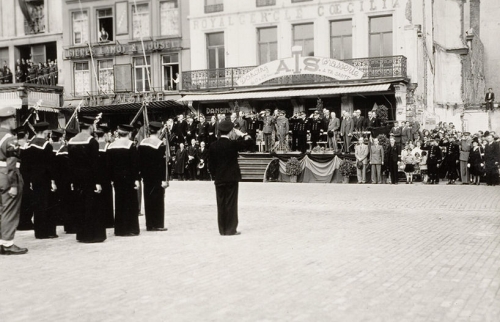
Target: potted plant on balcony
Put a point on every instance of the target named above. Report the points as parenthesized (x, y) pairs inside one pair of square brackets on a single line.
[(347, 168), (293, 169)]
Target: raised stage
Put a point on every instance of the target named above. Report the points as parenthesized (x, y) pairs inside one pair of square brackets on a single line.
[(319, 167)]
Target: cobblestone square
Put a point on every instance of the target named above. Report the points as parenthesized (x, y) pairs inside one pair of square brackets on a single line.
[(307, 252)]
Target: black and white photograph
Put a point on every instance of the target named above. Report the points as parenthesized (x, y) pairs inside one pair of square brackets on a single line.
[(249, 160)]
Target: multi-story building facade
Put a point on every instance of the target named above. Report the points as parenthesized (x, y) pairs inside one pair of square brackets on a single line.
[(31, 35), (392, 44), (119, 53)]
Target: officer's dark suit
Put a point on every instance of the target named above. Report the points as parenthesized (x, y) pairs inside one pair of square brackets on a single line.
[(226, 172), (39, 170), (123, 167), (491, 161), (153, 171), (252, 126), (393, 156), (433, 160), (203, 155), (202, 132)]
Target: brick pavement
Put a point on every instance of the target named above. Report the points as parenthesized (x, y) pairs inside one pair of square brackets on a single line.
[(308, 252)]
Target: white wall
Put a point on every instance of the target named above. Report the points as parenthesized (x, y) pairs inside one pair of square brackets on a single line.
[(240, 19)]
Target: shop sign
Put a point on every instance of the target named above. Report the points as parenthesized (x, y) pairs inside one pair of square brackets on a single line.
[(298, 65), (119, 49), (48, 99), (218, 110)]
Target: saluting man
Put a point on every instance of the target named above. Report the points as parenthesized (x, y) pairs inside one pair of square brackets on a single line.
[(152, 164), (39, 170), (83, 152), (12, 183), (123, 167)]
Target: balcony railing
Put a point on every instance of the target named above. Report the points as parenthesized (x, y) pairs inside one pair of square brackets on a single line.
[(372, 68)]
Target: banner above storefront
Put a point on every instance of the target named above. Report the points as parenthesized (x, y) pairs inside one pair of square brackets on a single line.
[(298, 65)]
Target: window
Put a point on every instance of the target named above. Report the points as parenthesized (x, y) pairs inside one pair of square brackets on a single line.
[(214, 6), (142, 74), (140, 20), (81, 73), (34, 16), (381, 36), (170, 21), (264, 3), (268, 44), (105, 25), (80, 27), (341, 39), (106, 76), (216, 52), (170, 70), (303, 35)]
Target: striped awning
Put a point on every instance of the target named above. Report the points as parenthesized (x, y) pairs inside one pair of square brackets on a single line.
[(228, 96)]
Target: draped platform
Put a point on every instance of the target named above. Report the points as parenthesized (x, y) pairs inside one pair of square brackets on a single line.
[(316, 167)]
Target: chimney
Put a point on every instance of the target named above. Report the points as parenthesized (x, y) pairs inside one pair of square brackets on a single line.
[(475, 15)]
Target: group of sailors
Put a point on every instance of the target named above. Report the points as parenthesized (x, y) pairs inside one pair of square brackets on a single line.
[(69, 180)]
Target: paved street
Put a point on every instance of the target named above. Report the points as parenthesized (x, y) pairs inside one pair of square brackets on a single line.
[(307, 252)]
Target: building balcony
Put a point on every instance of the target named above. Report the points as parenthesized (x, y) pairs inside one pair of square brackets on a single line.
[(389, 67)]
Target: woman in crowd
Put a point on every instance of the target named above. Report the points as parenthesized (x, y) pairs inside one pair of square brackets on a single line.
[(476, 162)]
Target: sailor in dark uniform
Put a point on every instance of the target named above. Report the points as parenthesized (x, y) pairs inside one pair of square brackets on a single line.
[(105, 198), (152, 164), (83, 152), (123, 167), (11, 182), (55, 196), (26, 215), (64, 185), (38, 167)]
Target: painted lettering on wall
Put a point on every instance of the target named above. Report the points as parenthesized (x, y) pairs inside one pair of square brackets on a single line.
[(290, 14), (300, 65), (118, 49)]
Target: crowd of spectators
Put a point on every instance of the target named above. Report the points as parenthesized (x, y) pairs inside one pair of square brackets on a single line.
[(443, 153), (29, 72)]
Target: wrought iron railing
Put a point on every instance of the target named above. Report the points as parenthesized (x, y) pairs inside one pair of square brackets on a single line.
[(372, 68)]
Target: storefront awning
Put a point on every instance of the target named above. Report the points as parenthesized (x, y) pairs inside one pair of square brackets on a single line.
[(17, 103), (286, 93), (130, 107)]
